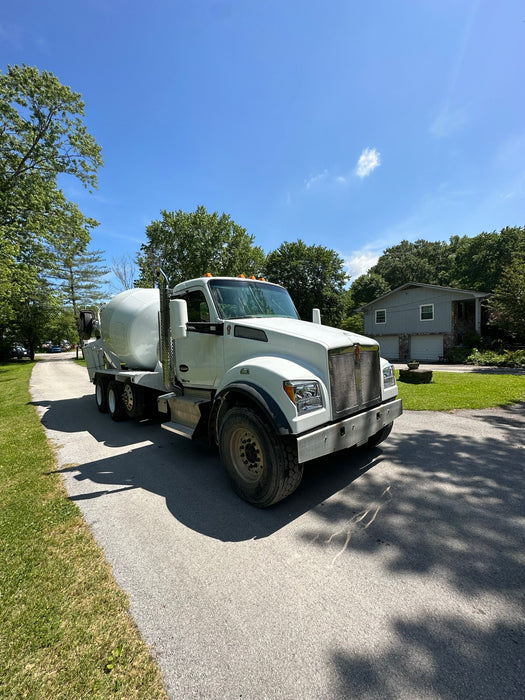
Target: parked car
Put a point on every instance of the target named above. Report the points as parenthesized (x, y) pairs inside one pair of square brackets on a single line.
[(55, 348), (18, 351)]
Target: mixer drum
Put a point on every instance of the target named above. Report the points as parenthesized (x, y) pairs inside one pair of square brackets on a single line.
[(130, 327)]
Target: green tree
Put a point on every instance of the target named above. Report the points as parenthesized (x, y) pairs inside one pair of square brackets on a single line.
[(423, 261), (187, 245), (62, 326), (313, 275), (509, 297), (480, 261), (79, 275), (368, 287), (42, 137), (32, 312)]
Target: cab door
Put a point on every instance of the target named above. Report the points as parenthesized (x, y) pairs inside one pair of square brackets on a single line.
[(199, 356)]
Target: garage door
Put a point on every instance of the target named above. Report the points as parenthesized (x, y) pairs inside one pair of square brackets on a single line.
[(426, 347), (389, 347)]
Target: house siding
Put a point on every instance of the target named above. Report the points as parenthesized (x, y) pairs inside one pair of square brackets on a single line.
[(403, 312)]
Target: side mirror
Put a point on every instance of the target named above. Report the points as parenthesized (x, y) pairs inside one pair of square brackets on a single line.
[(178, 318), (316, 316), (85, 323)]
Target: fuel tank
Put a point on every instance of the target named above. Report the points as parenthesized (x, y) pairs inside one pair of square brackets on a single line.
[(130, 327)]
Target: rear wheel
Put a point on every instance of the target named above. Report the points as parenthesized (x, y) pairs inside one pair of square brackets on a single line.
[(133, 400), (101, 395), (115, 403), (262, 466)]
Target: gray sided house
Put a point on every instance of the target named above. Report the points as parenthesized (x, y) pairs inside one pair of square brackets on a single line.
[(422, 321)]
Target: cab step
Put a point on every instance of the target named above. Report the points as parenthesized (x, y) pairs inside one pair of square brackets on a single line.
[(179, 429)]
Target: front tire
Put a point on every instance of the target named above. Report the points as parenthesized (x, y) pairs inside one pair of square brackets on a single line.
[(262, 466), (115, 403)]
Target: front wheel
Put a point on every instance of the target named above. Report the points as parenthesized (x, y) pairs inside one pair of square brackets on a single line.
[(262, 466)]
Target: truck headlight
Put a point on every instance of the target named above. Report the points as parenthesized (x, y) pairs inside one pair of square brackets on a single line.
[(305, 395), (389, 378)]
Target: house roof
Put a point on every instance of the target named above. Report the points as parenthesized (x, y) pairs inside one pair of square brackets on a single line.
[(435, 287)]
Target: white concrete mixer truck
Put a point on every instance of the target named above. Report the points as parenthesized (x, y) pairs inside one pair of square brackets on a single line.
[(227, 358)]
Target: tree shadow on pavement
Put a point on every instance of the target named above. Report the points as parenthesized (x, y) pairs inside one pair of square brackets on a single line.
[(454, 510), (455, 505), (440, 657)]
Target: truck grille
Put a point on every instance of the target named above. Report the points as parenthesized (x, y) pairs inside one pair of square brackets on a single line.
[(355, 379)]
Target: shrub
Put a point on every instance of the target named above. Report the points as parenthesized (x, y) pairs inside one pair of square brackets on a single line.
[(458, 355), (507, 358)]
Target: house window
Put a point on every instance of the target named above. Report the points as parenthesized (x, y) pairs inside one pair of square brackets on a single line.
[(426, 312), (381, 316)]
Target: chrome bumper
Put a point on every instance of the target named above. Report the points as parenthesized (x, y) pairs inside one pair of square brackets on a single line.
[(346, 433)]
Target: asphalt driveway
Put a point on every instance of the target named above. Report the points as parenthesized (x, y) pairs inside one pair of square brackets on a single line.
[(391, 573)]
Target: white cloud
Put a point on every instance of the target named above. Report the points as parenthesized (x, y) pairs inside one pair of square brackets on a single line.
[(316, 179), (359, 262), (368, 161)]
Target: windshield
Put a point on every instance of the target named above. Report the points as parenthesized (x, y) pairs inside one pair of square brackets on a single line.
[(238, 298)]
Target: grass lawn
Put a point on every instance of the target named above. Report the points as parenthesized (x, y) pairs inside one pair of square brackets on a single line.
[(452, 390), (65, 629)]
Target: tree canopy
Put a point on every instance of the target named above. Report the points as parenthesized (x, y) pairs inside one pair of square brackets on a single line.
[(480, 261), (42, 137), (187, 245), (366, 288), (475, 263), (509, 297), (423, 261), (313, 275)]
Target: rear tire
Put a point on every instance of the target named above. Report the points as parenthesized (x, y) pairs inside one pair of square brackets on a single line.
[(115, 403), (133, 400), (101, 395), (262, 466)]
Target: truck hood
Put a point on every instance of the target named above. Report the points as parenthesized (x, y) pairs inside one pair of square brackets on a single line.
[(326, 336)]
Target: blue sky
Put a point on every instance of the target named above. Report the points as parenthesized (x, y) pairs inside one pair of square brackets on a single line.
[(349, 124)]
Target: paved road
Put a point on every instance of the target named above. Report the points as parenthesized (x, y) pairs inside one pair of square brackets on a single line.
[(396, 573)]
